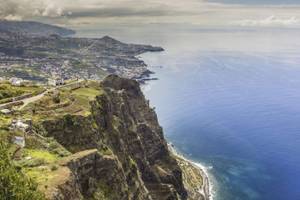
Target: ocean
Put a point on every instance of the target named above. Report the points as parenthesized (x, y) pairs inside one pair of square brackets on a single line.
[(229, 99)]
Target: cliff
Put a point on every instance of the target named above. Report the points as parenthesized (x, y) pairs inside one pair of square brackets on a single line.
[(101, 140), (130, 159)]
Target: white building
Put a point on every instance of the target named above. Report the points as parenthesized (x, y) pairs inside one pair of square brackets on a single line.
[(16, 81), (19, 125), (20, 141), (56, 82), (5, 111)]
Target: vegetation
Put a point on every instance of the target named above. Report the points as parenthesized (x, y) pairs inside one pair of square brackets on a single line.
[(14, 185), (4, 121), (8, 91), (103, 192), (42, 166), (63, 101), (4, 134), (43, 155), (40, 161), (83, 97), (106, 151)]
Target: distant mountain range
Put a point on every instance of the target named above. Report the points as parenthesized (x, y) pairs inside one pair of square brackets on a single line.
[(33, 28)]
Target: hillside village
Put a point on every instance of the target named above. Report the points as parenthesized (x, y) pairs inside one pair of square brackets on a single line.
[(39, 58)]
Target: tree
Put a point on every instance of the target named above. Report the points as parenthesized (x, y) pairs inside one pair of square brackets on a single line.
[(15, 185)]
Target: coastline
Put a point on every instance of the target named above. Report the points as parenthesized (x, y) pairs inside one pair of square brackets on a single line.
[(205, 189)]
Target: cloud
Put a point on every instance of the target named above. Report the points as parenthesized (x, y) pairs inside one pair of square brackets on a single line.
[(97, 8), (270, 21), (13, 17), (19, 9), (104, 12)]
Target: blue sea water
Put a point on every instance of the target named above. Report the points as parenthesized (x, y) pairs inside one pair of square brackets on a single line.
[(230, 99)]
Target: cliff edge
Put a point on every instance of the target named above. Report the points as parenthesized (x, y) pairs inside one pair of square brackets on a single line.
[(132, 158), (101, 141)]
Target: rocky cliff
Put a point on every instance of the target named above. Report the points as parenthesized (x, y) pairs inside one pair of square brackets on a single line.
[(119, 151)]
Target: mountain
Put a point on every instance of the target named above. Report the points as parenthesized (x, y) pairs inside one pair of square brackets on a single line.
[(33, 28)]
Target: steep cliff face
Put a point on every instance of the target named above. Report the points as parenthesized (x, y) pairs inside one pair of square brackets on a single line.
[(131, 158), (91, 175)]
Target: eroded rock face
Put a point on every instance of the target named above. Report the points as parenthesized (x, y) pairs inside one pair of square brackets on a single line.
[(132, 160), (90, 175)]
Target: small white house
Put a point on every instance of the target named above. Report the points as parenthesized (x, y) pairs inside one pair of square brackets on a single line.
[(5, 111), (19, 125), (20, 141), (16, 81), (56, 82)]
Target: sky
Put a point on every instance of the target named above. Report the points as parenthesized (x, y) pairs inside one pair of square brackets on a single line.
[(259, 2), (88, 13)]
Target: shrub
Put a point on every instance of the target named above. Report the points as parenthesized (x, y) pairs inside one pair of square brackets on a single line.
[(14, 185), (35, 162), (56, 99), (54, 167)]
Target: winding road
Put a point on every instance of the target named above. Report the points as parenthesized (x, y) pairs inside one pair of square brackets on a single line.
[(29, 100)]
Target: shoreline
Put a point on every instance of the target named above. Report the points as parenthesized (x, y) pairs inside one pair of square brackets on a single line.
[(206, 188)]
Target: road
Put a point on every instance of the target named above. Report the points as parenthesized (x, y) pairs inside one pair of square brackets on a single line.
[(29, 100), (33, 99)]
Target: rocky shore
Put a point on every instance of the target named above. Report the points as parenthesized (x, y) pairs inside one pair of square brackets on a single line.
[(195, 177)]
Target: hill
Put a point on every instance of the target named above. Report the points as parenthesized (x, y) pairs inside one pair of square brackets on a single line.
[(33, 28)]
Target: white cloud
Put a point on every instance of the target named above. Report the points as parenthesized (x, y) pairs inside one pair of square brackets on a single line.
[(196, 12), (19, 9), (270, 21), (13, 17)]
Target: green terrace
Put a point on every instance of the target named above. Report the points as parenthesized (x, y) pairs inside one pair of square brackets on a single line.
[(40, 160), (66, 100), (53, 105), (8, 91)]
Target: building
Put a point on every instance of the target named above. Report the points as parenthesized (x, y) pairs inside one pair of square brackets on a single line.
[(5, 111), (20, 141), (16, 81), (56, 82), (19, 125)]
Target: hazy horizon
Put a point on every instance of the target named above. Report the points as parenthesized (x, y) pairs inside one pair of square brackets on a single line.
[(198, 13)]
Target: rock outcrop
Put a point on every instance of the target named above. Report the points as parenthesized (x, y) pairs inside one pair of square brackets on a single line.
[(130, 159), (91, 175)]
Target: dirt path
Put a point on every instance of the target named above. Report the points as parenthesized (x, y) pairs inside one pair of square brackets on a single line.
[(33, 99), (29, 100)]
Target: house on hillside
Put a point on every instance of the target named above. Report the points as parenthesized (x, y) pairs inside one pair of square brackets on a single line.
[(5, 111), (19, 125), (56, 82), (16, 81), (20, 141)]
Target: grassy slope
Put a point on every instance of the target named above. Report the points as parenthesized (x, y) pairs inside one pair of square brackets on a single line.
[(8, 91), (40, 158)]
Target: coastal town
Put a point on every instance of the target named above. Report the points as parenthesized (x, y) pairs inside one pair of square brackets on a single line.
[(40, 69), (39, 58)]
